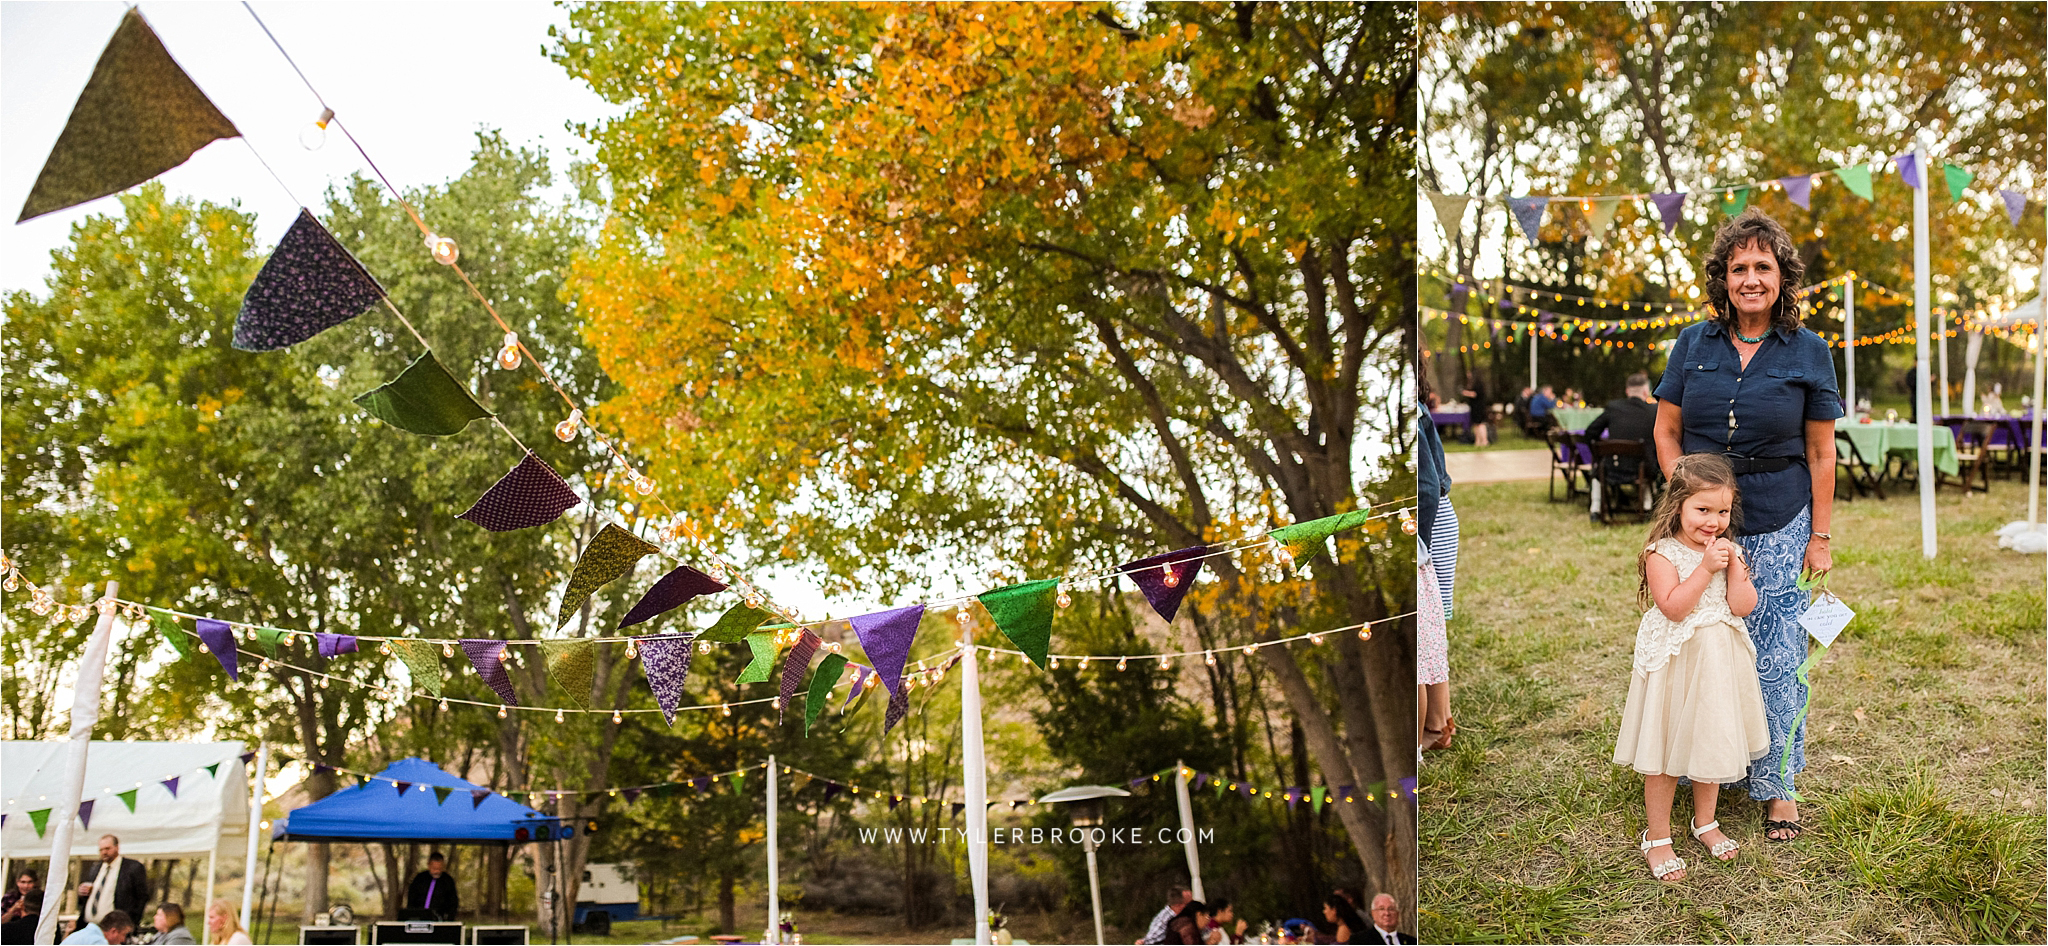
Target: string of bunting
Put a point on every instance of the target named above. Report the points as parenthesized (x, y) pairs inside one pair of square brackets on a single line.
[(1459, 290), (129, 798)]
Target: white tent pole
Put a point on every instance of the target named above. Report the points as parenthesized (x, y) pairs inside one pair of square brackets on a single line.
[(2040, 370), (1187, 828), (1849, 339), (255, 826), (1941, 347), (212, 861), (1923, 399), (974, 776), (85, 713), (774, 895)]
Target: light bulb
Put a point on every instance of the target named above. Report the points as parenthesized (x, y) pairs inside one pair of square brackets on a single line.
[(1209, 657), (1251, 648), (323, 683), (1063, 599), (314, 135), (443, 704), (1316, 639), (617, 717), (1365, 633), (558, 716), (1169, 576), (631, 650), (1164, 662), (726, 708), (1407, 523), (566, 430), (508, 356), (384, 648), (10, 582), (447, 649), (501, 712), (444, 249), (1121, 662), (1055, 663), (753, 600), (966, 617)]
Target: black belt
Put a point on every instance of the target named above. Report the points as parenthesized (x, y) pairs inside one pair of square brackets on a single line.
[(1744, 465)]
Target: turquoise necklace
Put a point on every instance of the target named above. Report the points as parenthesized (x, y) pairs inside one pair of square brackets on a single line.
[(1753, 341)]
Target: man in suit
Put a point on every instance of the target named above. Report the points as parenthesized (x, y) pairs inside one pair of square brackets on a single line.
[(1386, 922), (1631, 417), (120, 884)]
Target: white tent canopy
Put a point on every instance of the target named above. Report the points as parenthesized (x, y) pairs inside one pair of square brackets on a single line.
[(209, 813), (2026, 314)]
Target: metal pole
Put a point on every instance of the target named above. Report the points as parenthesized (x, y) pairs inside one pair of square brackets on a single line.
[(1187, 828), (1923, 399), (85, 713), (1095, 882), (774, 896), (974, 776), (1849, 340), (255, 827)]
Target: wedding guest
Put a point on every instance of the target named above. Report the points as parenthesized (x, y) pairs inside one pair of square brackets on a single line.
[(1177, 896), (11, 905), (223, 926), (1351, 928), (1386, 922), (1540, 407), (1189, 926), (1630, 417), (170, 926), (1225, 927), (119, 883), (113, 928), (432, 891)]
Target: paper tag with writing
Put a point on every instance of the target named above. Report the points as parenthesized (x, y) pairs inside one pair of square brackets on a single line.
[(1826, 617)]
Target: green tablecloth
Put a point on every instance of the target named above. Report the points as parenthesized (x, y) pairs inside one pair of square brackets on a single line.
[(1878, 439), (1574, 418)]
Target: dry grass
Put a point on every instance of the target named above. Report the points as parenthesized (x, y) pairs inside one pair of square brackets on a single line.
[(1925, 781)]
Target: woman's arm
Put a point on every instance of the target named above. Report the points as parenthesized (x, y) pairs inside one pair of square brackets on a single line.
[(1820, 463), (1669, 423), (1674, 597)]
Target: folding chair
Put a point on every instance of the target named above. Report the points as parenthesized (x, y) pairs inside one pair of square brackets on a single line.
[(1860, 476), (1564, 458), (1973, 456), (1635, 493)]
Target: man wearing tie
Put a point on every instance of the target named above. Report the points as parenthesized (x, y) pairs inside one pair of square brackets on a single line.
[(120, 884), (433, 891), (1386, 921)]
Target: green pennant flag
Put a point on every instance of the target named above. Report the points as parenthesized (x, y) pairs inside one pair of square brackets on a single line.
[(166, 624), (424, 399), (1732, 201), (763, 664), (41, 819), (441, 793), (735, 624), (1316, 796), (1024, 614), (213, 770), (423, 660), (1302, 539), (822, 682), (1856, 177), (571, 667), (1220, 784), (128, 798), (736, 779), (362, 782), (607, 557), (1957, 180), (270, 637)]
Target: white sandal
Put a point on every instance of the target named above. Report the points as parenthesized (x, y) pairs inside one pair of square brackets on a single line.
[(1726, 845), (1666, 868)]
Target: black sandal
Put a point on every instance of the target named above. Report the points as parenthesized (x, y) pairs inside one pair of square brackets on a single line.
[(1795, 827)]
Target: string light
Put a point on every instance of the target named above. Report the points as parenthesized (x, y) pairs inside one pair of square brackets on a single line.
[(558, 716), (617, 717), (631, 650), (642, 483), (1121, 661), (1062, 598), (1170, 577), (566, 430), (501, 712), (508, 356), (445, 251), (314, 136), (447, 649)]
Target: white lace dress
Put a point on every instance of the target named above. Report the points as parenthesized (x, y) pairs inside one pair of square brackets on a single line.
[(1694, 708)]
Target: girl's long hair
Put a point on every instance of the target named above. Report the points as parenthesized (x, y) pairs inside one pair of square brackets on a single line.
[(1693, 473)]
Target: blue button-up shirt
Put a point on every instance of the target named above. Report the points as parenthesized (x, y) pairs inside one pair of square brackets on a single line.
[(1758, 411)]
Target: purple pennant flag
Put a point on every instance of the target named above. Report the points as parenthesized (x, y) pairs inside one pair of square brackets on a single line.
[(632, 795), (831, 789), (172, 784), (1293, 795), (899, 707), (702, 784), (666, 660), (309, 285), (531, 495), (1909, 168), (85, 812), (1201, 779), (673, 591), (1248, 791), (322, 768), (401, 786), (1150, 575), (2015, 204), (1528, 212), (477, 796), (793, 668), (1668, 207), (248, 757), (860, 679), (1799, 188), (886, 636), (334, 645), (488, 657), (1408, 787), (220, 639)]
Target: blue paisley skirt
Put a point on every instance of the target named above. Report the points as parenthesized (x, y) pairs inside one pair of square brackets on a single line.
[(1775, 560)]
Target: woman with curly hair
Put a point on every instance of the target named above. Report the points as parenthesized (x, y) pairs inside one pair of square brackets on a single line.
[(1755, 386)]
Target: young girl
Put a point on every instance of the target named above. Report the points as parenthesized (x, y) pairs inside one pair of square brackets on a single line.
[(1695, 709)]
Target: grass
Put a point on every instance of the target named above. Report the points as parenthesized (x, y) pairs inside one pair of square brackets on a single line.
[(1925, 777)]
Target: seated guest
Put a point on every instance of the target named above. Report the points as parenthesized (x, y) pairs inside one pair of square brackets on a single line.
[(170, 926), (1338, 912), (11, 905), (432, 892), (1632, 417), (1386, 922), (113, 928), (1540, 406), (1521, 408), (1189, 926), (18, 922), (1225, 927), (223, 926)]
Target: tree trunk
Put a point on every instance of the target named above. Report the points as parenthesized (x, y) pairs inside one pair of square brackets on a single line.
[(726, 919)]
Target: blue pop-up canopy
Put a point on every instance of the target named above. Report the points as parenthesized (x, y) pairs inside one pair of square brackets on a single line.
[(401, 804)]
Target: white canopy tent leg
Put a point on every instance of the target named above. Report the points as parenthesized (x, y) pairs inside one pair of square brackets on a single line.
[(1849, 340), (255, 826), (85, 713), (974, 776), (1187, 827), (212, 863), (2040, 371), (1972, 348), (1941, 352), (1923, 399), (774, 895)]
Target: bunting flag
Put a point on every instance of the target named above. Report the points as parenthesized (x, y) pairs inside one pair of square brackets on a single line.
[(422, 662), (139, 116), (1909, 168), (441, 793), (424, 399), (793, 667), (607, 557), (632, 795), (41, 819), (477, 796), (666, 660), (736, 623), (1316, 796), (1450, 211), (220, 639), (1798, 189), (334, 645), (1668, 208), (1958, 179), (166, 624), (488, 657), (822, 683), (247, 757), (1303, 539), (737, 778), (861, 673), (532, 494), (674, 590), (762, 666), (307, 286), (1528, 212), (1732, 201), (1602, 215), (571, 667), (2015, 204), (799, 781), (85, 813), (1151, 575), (1024, 614), (1201, 779), (1856, 177), (270, 638), (886, 637), (401, 786), (959, 807), (172, 784), (832, 788), (128, 798), (899, 707)]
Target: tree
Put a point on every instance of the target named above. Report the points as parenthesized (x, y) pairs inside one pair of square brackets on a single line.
[(1035, 283)]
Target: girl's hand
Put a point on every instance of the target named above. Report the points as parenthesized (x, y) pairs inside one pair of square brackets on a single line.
[(1718, 555)]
